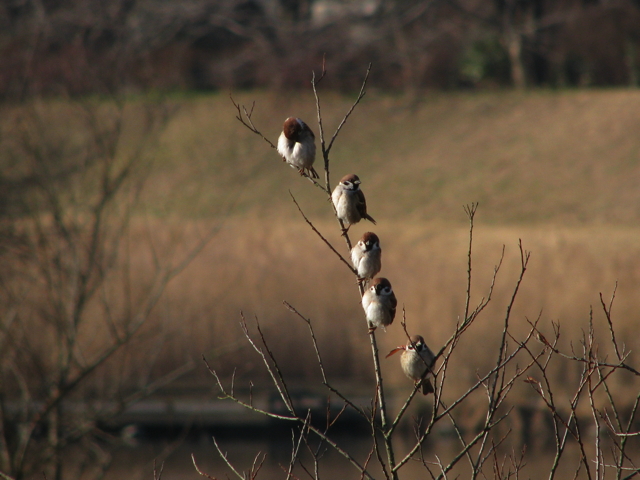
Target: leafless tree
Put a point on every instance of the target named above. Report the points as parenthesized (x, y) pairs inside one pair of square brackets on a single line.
[(89, 46), (70, 305), (520, 359)]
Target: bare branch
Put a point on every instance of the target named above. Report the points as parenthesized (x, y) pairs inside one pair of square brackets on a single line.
[(360, 96), (193, 459), (244, 117), (353, 270), (157, 475)]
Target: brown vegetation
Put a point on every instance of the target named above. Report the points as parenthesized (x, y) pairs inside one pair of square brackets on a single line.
[(446, 153), (534, 161)]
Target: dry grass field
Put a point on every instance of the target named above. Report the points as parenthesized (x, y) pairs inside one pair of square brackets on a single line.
[(556, 171), (568, 158), (559, 170)]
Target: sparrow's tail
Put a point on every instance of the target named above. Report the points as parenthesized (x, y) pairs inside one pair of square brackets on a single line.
[(370, 218), (314, 174), (427, 388)]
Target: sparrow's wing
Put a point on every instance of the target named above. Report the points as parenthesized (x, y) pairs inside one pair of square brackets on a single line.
[(362, 207), (428, 355), (393, 302), (305, 128), (361, 203)]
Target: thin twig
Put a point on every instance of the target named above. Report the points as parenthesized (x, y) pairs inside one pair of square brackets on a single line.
[(607, 313), (249, 121), (353, 270), (360, 96), (157, 475), (470, 210), (193, 459)]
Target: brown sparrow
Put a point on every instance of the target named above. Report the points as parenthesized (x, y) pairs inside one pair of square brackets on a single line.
[(297, 145), (417, 360), (349, 201), (366, 256), (379, 303)]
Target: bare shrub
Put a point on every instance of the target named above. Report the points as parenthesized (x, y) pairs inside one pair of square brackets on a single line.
[(520, 380), (69, 308)]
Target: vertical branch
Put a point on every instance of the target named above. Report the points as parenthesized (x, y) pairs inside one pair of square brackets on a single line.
[(607, 313), (323, 145), (496, 388), (621, 431), (382, 404), (372, 337), (471, 212), (524, 261), (323, 148)]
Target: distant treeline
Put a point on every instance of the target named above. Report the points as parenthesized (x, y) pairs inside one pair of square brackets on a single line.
[(93, 46)]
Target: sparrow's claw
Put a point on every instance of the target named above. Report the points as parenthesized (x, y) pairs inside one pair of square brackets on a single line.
[(345, 231), (361, 280)]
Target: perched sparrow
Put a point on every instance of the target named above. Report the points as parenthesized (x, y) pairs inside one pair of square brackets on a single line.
[(349, 201), (416, 361), (379, 303), (297, 145), (367, 256)]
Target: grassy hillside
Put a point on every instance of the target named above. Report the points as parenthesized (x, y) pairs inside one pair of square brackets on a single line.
[(558, 170), (569, 158)]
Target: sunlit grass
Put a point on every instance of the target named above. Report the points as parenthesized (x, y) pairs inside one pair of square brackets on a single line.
[(558, 170), (533, 158)]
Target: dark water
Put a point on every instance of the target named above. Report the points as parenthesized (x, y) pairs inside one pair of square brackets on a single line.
[(243, 436), (136, 461)]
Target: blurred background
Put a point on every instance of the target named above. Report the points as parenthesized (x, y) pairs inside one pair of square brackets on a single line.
[(80, 47), (138, 217)]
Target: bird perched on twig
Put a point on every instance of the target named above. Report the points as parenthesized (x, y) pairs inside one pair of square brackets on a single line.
[(366, 256), (379, 303), (297, 145), (417, 361), (351, 207)]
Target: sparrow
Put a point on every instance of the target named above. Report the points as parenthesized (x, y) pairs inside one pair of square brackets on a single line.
[(379, 303), (349, 201), (366, 256), (297, 146), (417, 360)]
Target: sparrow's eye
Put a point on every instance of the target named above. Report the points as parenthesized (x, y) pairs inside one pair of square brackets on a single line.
[(346, 184)]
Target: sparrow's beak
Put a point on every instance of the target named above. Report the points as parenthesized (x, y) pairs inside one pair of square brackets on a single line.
[(395, 350)]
